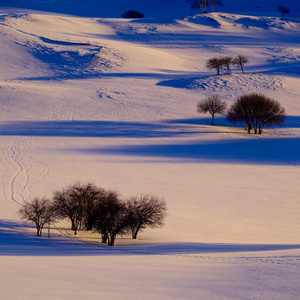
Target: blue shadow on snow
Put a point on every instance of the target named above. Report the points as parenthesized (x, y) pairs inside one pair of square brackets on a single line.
[(15, 242), (252, 149), (261, 151)]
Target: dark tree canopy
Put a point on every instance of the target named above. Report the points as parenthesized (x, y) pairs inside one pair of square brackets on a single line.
[(256, 111), (227, 61), (133, 14), (90, 195), (78, 203), (213, 105), (240, 61), (215, 63), (195, 4), (145, 211), (112, 218), (38, 211)]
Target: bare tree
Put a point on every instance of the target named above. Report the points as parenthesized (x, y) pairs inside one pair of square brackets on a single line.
[(215, 63), (101, 220), (68, 203), (145, 211), (227, 61), (256, 111), (202, 4), (240, 61), (90, 195), (112, 218), (213, 105), (283, 10), (38, 211)]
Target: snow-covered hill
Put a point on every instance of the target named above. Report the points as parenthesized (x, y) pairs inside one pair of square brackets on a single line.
[(88, 96)]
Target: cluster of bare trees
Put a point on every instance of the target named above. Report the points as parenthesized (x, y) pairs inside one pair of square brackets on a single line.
[(217, 63), (254, 110), (88, 207), (204, 4)]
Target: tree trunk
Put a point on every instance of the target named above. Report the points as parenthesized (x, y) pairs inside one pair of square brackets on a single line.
[(89, 226), (104, 238), (74, 226), (255, 129), (212, 119), (111, 240), (135, 232), (204, 6)]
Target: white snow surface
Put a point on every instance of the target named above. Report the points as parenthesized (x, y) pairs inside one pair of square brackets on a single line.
[(87, 96)]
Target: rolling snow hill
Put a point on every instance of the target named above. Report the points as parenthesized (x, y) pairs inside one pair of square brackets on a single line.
[(88, 96)]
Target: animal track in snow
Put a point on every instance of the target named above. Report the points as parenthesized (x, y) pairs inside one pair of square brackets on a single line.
[(22, 171)]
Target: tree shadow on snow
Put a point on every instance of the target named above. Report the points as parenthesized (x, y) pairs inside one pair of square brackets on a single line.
[(82, 128), (290, 122), (14, 241)]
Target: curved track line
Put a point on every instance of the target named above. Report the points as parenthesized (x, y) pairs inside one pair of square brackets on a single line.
[(22, 171)]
